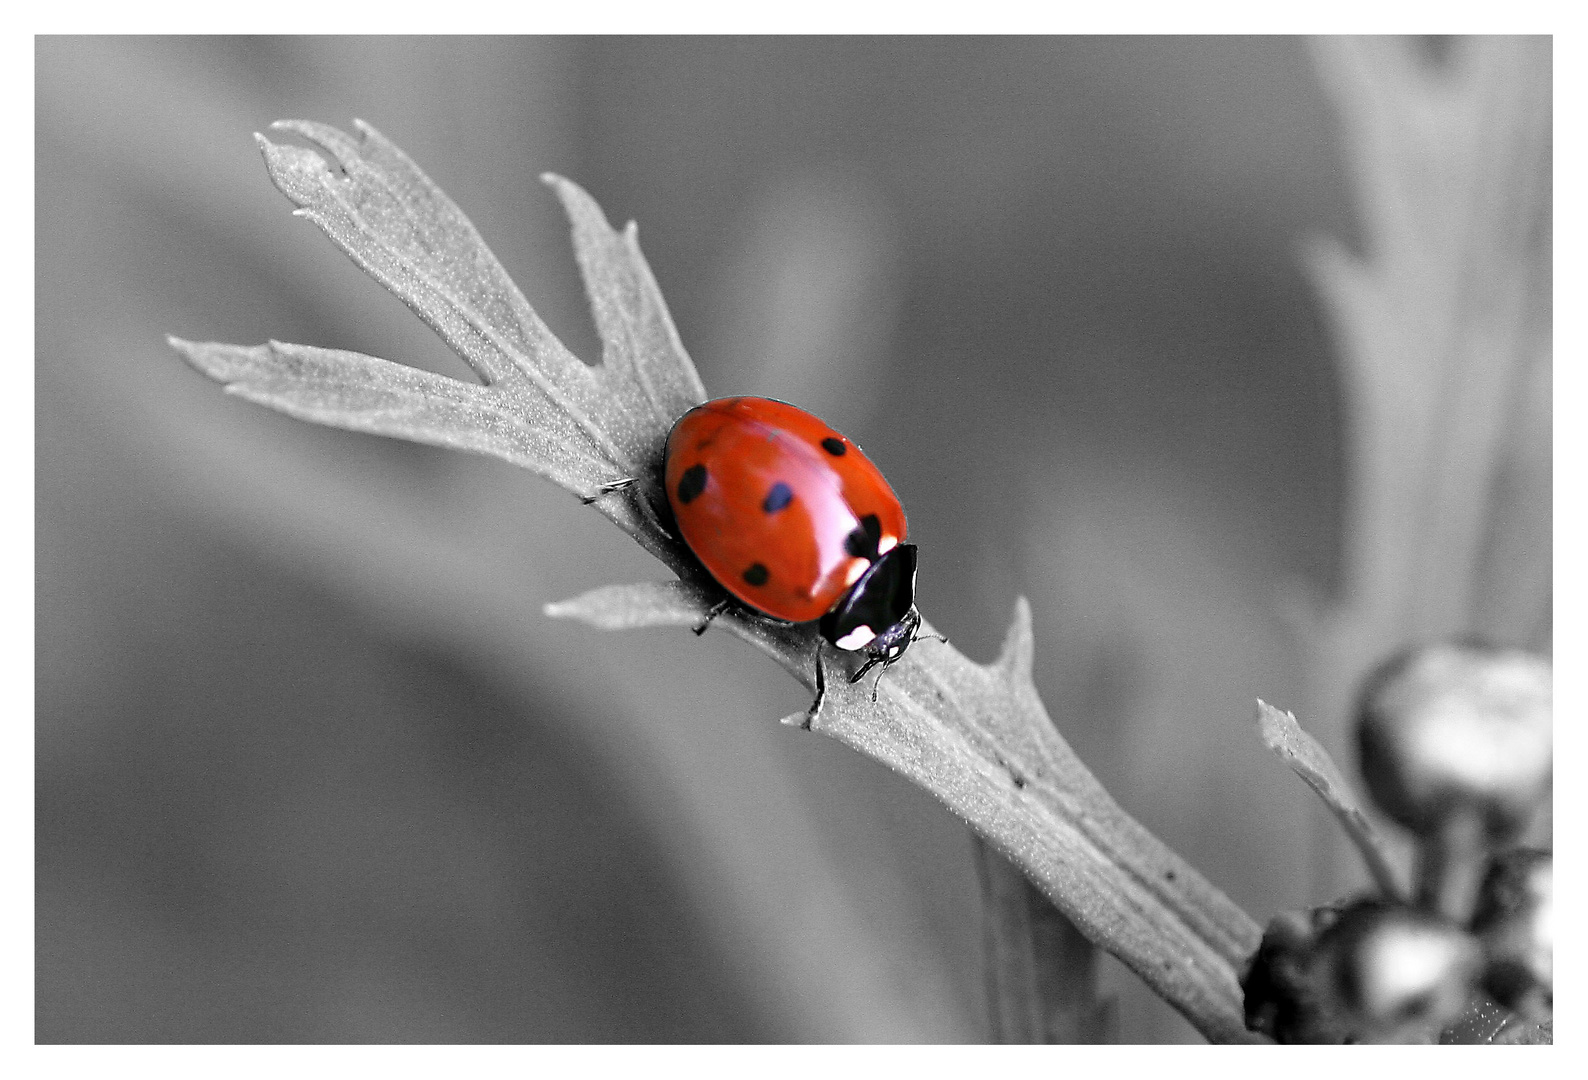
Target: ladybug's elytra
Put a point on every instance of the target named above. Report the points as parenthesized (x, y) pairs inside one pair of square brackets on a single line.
[(795, 521)]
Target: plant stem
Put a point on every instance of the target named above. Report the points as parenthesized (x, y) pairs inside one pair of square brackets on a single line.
[(1041, 972)]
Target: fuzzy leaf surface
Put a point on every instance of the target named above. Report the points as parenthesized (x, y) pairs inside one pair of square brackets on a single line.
[(578, 425)]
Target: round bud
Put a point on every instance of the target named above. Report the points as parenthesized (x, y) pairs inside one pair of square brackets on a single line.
[(1394, 973), (1452, 731), (1515, 921)]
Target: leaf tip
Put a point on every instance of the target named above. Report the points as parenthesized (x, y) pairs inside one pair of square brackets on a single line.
[(578, 203), (295, 127), (1015, 657), (223, 363), (306, 128), (271, 152), (1264, 709), (566, 189), (192, 353), (629, 607), (1273, 724)]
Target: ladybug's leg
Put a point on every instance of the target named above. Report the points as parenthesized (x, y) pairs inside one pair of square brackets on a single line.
[(607, 489), (867, 666), (821, 692), (886, 664), (885, 661), (716, 609)]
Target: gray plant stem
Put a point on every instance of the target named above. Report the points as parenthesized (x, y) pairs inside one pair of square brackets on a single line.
[(1040, 971)]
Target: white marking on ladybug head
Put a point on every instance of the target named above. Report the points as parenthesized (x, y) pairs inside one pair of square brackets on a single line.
[(856, 568), (887, 544), (858, 638)]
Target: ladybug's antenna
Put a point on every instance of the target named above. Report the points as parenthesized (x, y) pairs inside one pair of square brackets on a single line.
[(888, 661)]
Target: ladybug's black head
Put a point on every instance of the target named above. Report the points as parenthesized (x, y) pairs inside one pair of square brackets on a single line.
[(877, 616)]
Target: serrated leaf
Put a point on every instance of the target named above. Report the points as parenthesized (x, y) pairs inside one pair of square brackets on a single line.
[(364, 393), (580, 426), (629, 313), (974, 735), (978, 738), (1282, 733), (401, 229)]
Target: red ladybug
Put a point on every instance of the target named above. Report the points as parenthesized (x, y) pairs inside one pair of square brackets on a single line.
[(791, 518)]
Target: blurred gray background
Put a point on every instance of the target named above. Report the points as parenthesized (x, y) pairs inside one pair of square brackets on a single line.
[(312, 765)]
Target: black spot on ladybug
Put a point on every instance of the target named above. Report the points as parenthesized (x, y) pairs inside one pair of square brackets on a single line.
[(757, 574), (834, 447), (779, 497), (862, 542), (692, 483)]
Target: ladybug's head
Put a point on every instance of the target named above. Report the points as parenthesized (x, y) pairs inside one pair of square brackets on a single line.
[(877, 616)]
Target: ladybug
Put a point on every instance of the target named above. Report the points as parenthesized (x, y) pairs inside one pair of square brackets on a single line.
[(795, 521)]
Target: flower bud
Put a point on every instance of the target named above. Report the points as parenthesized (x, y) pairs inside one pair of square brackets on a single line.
[(1515, 923), (1458, 731), (1393, 973)]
